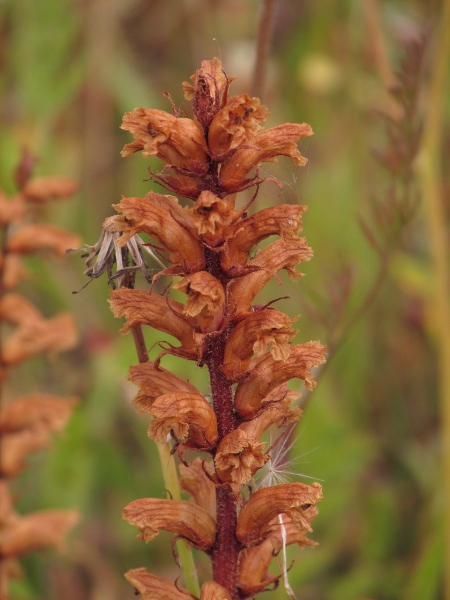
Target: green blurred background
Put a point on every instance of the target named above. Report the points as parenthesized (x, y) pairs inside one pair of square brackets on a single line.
[(370, 434)]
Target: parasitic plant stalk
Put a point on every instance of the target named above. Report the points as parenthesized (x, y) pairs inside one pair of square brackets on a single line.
[(28, 421), (246, 347)]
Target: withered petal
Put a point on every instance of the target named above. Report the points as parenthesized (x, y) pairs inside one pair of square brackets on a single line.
[(268, 374), (16, 446), (188, 520), (188, 415), (297, 500), (153, 587)]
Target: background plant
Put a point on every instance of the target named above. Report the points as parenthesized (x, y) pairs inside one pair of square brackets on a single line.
[(29, 415), (66, 82)]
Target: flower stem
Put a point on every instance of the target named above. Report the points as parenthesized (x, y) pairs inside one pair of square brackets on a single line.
[(171, 483)]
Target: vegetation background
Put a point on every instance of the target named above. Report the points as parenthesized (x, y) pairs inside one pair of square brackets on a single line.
[(69, 70)]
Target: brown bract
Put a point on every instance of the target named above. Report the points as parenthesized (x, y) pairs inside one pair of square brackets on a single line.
[(297, 500), (206, 300), (178, 142), (152, 587), (238, 457), (186, 416), (162, 218), (269, 374), (254, 334), (187, 520)]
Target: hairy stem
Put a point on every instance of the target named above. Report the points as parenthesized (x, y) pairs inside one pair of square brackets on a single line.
[(225, 552)]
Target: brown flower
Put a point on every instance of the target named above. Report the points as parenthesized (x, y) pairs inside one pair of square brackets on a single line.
[(267, 145), (235, 125), (195, 480), (178, 142), (268, 374), (212, 216), (282, 254), (162, 218), (253, 335), (297, 500), (206, 300), (187, 520), (152, 587), (146, 308), (209, 90), (154, 381), (238, 457), (188, 417), (284, 220)]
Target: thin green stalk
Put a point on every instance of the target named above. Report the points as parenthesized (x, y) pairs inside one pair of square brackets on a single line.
[(432, 185), (171, 483)]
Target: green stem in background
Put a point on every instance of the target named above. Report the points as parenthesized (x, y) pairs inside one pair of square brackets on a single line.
[(262, 46), (432, 185), (171, 483)]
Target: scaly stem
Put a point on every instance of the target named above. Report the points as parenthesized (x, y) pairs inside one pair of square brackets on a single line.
[(431, 180), (171, 483)]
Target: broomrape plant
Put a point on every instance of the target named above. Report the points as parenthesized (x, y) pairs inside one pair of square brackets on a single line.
[(27, 421), (246, 347)]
